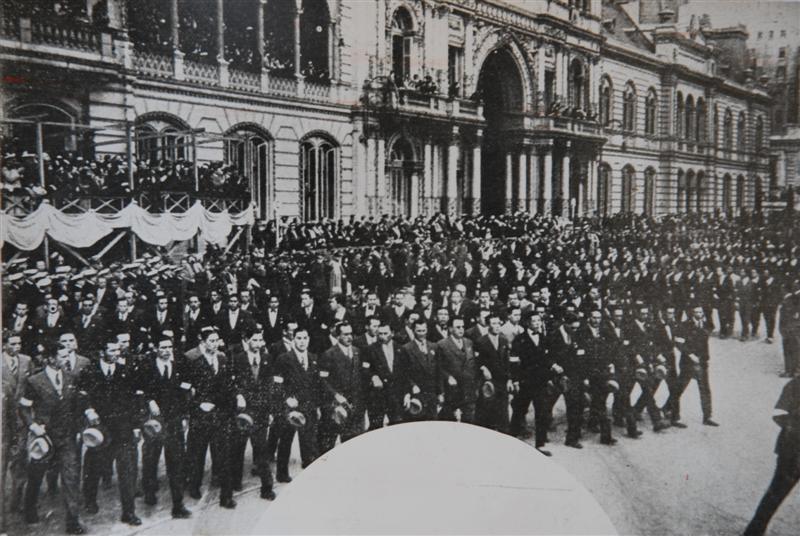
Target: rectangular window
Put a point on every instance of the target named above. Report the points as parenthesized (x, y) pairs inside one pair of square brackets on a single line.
[(771, 34), (782, 52), (455, 71), (760, 35), (549, 88), (783, 33), (780, 72)]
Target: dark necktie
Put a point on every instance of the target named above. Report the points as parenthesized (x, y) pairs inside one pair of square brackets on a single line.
[(68, 366), (108, 373)]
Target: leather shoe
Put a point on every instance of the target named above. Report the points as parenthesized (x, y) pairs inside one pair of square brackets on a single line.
[(195, 493), (150, 499), (131, 519), (636, 434), (709, 422), (608, 441), (75, 528), (574, 444), (229, 504), (660, 426), (678, 424), (284, 479), (543, 451), (237, 486), (92, 508), (181, 513), (268, 494)]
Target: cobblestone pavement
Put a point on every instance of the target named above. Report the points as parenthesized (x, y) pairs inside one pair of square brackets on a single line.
[(699, 480)]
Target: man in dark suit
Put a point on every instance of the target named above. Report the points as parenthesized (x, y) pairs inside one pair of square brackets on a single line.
[(770, 298), (417, 374), (566, 352), (597, 362), (49, 406), (109, 399), (89, 326), (694, 365), (460, 373), (254, 372), (380, 388), (277, 349), (51, 321), (231, 322), (124, 320), (215, 402), (639, 331), (274, 321), (531, 367), (193, 320), (298, 387), (492, 359), (369, 336), (166, 390), (309, 317), (342, 376), (21, 323)]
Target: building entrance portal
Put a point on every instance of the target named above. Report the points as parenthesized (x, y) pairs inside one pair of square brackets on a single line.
[(500, 88)]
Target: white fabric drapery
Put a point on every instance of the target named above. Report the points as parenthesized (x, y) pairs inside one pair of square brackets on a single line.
[(83, 230)]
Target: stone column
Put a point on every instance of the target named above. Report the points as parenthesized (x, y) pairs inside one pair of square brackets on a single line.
[(475, 209), (298, 68), (177, 54), (261, 47), (427, 174), (224, 75), (565, 172), (591, 186), (435, 195), (522, 180), (414, 195), (547, 177), (509, 182), (533, 178), (452, 173), (380, 174), (579, 206)]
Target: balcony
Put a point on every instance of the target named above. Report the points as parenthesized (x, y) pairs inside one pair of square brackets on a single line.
[(380, 94), (72, 42)]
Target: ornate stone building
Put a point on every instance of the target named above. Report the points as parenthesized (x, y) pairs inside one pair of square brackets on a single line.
[(348, 107)]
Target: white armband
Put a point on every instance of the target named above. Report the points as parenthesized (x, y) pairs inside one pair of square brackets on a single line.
[(277, 379), (186, 386), (25, 402), (324, 374)]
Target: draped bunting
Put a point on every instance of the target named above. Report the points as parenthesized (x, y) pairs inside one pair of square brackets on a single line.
[(83, 230)]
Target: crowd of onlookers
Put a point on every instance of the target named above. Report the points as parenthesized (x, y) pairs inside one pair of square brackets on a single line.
[(69, 176)]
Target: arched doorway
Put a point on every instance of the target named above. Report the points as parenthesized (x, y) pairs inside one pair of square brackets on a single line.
[(319, 170), (402, 172), (727, 197), (248, 149), (690, 191), (500, 87), (628, 176)]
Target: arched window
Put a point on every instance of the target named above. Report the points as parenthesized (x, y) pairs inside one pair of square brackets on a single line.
[(628, 176), (603, 190), (688, 123), (402, 45), (650, 108), (248, 149), (315, 25), (162, 138), (577, 85), (759, 141), (700, 191), (681, 200), (727, 198), (649, 192), (700, 130), (606, 101), (727, 130), (741, 133), (319, 172), (629, 108), (401, 168), (679, 116), (740, 200), (56, 138), (690, 191)]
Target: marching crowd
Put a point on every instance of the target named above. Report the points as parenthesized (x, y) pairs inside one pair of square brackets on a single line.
[(474, 320)]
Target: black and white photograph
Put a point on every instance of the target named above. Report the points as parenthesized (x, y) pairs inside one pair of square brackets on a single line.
[(400, 267)]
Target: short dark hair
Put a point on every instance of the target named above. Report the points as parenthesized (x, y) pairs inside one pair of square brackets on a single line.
[(343, 324), (453, 319), (206, 332)]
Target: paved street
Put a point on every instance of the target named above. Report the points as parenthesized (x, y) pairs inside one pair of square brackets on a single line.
[(696, 481)]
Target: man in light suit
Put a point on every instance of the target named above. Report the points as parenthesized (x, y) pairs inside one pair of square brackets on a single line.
[(342, 376), (459, 372), (16, 368), (49, 407)]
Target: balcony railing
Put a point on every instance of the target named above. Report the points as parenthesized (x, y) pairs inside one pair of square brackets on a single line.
[(76, 36), (567, 124), (154, 65), (245, 80), (283, 87), (379, 94), (201, 72)]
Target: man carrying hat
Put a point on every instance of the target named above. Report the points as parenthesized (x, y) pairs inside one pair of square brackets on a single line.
[(109, 399), (254, 370), (342, 372), (48, 407), (166, 391), (460, 373), (492, 359)]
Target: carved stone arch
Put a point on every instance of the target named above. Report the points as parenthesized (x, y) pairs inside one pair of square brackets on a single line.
[(406, 136), (414, 8), (498, 39), (251, 127)]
